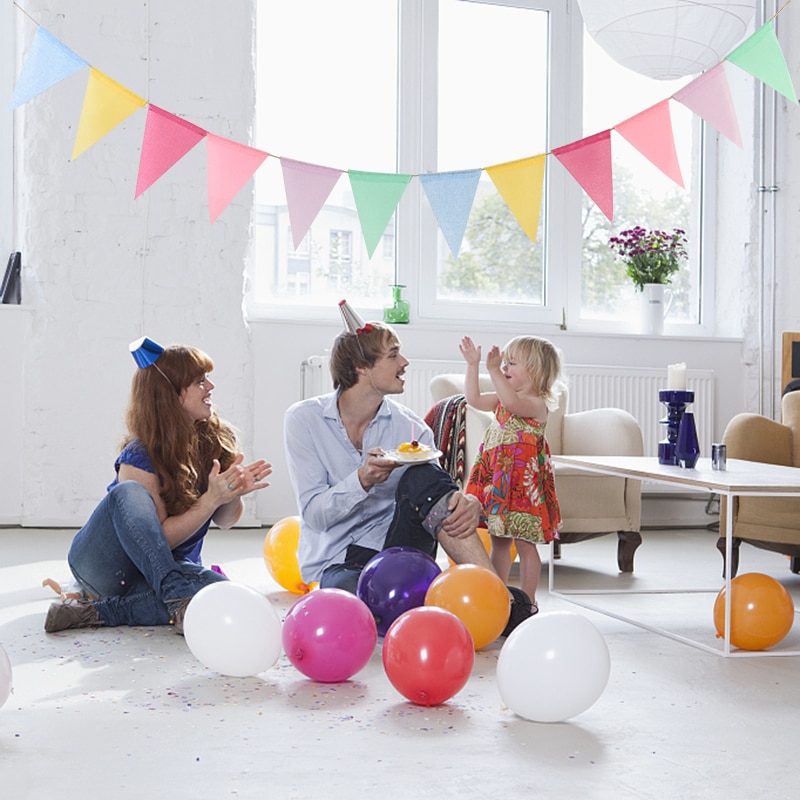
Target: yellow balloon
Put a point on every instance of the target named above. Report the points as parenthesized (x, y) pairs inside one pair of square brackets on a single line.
[(280, 555)]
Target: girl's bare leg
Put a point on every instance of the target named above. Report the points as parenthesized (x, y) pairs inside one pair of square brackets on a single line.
[(530, 567), (501, 556)]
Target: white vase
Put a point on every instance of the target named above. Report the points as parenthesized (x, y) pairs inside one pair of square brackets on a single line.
[(655, 302)]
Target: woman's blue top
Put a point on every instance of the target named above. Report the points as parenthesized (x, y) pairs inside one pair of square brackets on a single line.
[(134, 454)]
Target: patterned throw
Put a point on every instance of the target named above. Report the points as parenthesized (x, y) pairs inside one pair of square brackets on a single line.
[(448, 421)]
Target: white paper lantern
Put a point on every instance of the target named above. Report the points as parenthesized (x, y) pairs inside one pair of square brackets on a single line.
[(667, 39)]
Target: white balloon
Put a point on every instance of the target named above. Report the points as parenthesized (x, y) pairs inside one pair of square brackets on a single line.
[(232, 629), (5, 677), (553, 666)]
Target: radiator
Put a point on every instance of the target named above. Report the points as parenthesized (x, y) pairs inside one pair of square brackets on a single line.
[(634, 389)]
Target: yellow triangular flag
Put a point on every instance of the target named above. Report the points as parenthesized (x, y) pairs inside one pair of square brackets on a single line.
[(105, 104), (520, 185)]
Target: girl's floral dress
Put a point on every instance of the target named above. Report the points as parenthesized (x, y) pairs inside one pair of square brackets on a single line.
[(513, 478)]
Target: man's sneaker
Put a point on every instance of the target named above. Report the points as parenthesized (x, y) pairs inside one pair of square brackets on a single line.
[(72, 614), (178, 611), (521, 609)]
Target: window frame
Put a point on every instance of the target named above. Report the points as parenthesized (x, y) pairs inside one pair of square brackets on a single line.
[(7, 77)]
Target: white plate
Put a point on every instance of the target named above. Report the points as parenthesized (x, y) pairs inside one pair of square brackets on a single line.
[(403, 458)]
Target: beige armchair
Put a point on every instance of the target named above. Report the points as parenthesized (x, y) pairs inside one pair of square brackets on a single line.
[(771, 523), (591, 505)]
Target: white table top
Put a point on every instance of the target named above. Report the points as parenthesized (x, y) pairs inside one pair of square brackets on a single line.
[(741, 477)]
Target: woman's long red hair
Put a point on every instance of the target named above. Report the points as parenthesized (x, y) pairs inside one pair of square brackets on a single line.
[(180, 449)]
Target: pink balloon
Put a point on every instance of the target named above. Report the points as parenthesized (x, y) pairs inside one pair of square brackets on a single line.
[(329, 635)]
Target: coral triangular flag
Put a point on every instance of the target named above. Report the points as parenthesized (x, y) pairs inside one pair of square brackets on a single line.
[(48, 62), (167, 139), (377, 195), (650, 132), (520, 185), (105, 105), (709, 96), (307, 188), (762, 57), (230, 166), (451, 195), (589, 162)]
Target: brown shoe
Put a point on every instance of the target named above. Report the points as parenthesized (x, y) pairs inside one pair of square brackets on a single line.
[(72, 614), (178, 611)]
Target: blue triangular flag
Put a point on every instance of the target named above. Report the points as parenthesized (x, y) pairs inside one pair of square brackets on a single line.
[(451, 195), (48, 62)]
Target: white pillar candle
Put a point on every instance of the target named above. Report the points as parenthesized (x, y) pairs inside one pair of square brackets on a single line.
[(676, 377)]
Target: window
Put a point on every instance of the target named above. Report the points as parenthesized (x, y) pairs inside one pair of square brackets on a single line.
[(418, 87), (7, 78)]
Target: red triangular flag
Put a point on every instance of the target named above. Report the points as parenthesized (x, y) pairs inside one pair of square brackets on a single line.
[(230, 166), (650, 132), (589, 162), (167, 139)]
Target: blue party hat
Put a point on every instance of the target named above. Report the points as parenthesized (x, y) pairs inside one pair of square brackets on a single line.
[(145, 351)]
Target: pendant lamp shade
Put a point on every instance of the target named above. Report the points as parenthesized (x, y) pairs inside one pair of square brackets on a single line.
[(667, 39)]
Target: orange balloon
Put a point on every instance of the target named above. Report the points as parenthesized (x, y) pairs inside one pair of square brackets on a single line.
[(280, 555), (762, 611), (476, 596), (486, 540)]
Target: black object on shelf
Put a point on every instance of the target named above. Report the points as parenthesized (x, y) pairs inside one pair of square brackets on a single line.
[(11, 290)]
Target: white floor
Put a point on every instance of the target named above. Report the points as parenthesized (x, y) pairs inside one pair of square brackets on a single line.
[(131, 712)]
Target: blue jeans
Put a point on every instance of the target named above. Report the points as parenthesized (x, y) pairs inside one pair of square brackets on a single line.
[(419, 489), (122, 557)]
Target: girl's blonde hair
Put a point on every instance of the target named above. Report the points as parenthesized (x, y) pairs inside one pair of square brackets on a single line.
[(543, 363)]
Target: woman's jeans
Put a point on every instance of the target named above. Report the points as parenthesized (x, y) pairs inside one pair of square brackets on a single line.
[(419, 490), (122, 557)]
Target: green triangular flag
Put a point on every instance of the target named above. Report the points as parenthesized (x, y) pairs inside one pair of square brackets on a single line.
[(762, 57), (377, 195)]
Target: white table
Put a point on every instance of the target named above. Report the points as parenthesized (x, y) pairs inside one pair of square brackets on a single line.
[(740, 478)]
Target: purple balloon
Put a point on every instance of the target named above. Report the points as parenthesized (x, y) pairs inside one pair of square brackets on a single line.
[(394, 581), (329, 635)]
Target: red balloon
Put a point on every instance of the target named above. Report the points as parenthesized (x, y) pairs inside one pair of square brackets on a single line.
[(428, 655)]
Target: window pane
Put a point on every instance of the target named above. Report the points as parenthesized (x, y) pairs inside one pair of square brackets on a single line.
[(643, 195), (493, 99), (326, 94)]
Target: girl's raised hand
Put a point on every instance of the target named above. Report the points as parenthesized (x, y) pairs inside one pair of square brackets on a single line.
[(494, 359), (472, 354)]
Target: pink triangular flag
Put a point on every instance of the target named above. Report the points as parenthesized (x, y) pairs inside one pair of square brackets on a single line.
[(650, 132), (589, 162), (230, 166), (709, 96), (307, 188), (167, 139)]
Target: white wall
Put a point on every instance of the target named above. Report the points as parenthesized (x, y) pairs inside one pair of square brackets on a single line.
[(102, 268)]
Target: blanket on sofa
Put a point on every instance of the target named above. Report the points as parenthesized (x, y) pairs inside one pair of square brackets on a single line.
[(448, 421)]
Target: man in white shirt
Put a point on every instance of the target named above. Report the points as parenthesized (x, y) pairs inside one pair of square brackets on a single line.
[(355, 502)]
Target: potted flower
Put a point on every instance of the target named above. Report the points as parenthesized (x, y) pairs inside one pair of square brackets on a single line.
[(651, 259), (650, 256)]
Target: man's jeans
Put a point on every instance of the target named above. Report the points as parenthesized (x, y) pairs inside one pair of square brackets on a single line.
[(418, 491), (121, 556)]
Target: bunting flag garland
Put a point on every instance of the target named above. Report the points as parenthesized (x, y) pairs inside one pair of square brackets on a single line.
[(650, 132), (307, 188), (106, 104), (589, 162), (520, 185), (762, 57), (451, 195), (230, 166), (377, 195), (709, 96), (48, 62), (167, 139)]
